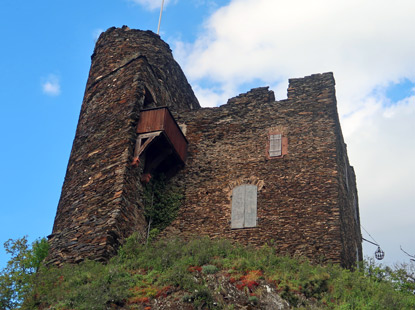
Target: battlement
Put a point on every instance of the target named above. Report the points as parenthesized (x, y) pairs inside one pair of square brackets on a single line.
[(260, 94)]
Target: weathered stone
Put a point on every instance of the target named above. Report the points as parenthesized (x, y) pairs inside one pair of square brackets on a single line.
[(304, 207), (99, 204), (306, 198)]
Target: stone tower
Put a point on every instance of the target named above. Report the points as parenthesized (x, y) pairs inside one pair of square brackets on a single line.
[(254, 170), (99, 206)]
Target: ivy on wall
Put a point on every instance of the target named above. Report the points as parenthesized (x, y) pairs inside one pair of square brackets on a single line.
[(161, 202)]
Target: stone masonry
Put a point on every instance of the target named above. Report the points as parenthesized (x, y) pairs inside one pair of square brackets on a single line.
[(100, 204), (306, 198)]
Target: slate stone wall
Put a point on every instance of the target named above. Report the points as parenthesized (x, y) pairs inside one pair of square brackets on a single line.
[(303, 206), (100, 204), (306, 199)]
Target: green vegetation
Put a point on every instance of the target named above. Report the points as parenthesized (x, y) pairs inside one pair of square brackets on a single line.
[(199, 273), (210, 269), (17, 279), (161, 203)]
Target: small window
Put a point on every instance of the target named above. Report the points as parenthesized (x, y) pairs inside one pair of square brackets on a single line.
[(148, 99), (244, 206), (275, 147)]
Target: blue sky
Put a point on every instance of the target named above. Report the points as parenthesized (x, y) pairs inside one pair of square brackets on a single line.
[(225, 48)]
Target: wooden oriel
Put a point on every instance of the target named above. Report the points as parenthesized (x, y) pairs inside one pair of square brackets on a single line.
[(161, 119)]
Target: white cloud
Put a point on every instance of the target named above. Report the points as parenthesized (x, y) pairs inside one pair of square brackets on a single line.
[(152, 4), (210, 98), (209, 4), (274, 40), (51, 86), (382, 150), (368, 46)]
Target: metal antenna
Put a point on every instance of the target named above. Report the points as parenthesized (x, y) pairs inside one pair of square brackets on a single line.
[(161, 12)]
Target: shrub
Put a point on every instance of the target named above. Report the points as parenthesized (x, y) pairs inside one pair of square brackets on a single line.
[(161, 202), (203, 298), (209, 269), (89, 285), (253, 300), (141, 272)]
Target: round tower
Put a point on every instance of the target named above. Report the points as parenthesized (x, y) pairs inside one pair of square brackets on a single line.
[(100, 203)]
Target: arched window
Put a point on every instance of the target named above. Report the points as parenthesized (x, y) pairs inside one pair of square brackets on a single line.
[(244, 206)]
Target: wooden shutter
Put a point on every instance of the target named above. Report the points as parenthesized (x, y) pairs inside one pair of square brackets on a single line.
[(250, 205), (275, 145), (244, 206), (238, 207)]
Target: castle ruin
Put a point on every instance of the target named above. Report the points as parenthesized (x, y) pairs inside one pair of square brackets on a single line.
[(254, 170)]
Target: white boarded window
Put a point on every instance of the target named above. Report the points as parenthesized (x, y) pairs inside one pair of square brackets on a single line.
[(244, 206), (275, 145)]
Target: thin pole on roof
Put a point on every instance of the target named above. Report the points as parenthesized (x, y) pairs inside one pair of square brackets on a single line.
[(161, 12)]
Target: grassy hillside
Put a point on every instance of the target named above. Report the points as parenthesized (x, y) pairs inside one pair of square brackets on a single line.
[(205, 274)]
